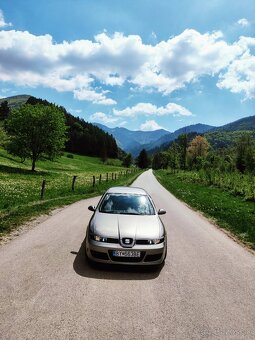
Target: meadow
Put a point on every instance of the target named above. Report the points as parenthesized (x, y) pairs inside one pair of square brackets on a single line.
[(20, 189), (234, 182), (227, 199)]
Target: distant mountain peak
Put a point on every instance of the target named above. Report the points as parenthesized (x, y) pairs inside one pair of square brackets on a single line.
[(135, 141), (15, 101)]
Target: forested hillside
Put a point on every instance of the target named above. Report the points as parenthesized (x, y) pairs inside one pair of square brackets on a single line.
[(83, 138)]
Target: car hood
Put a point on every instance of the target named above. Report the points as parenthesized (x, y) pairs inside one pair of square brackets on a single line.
[(133, 226)]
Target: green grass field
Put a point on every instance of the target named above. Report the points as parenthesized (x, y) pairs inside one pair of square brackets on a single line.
[(20, 189), (229, 211)]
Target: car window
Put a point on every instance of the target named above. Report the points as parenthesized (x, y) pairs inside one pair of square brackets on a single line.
[(128, 204)]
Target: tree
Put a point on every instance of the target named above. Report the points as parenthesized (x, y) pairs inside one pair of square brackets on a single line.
[(103, 151), (198, 147), (160, 160), (36, 131), (88, 139), (3, 137), (156, 161), (182, 141), (127, 161), (198, 150), (143, 160), (174, 156), (4, 110), (245, 155)]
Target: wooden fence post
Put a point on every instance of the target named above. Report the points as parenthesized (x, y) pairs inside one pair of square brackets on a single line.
[(43, 188), (74, 179), (100, 179), (115, 177), (94, 181)]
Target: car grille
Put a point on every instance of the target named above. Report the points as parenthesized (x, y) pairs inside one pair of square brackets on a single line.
[(99, 255), (153, 257), (112, 240), (142, 242), (127, 259)]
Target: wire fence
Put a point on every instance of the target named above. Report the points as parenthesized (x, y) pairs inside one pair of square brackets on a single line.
[(92, 181)]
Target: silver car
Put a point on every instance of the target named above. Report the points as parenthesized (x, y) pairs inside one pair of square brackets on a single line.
[(126, 229)]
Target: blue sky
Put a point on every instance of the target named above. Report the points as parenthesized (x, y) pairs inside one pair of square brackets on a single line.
[(140, 64)]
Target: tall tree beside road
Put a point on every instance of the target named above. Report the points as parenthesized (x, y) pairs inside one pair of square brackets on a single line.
[(127, 161), (36, 131), (182, 141), (143, 160)]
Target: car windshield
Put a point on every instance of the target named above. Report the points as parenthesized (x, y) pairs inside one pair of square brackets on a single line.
[(128, 204)]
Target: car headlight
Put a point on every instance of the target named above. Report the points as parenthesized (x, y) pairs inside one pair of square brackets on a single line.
[(98, 238), (156, 241)]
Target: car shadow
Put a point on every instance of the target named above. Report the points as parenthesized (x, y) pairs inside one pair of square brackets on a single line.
[(85, 268)]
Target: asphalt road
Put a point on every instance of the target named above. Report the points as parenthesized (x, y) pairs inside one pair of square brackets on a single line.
[(205, 290)]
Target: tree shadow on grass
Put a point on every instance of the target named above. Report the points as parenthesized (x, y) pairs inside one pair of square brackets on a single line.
[(112, 272), (13, 170)]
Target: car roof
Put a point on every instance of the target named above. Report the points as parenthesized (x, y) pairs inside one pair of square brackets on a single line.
[(127, 190)]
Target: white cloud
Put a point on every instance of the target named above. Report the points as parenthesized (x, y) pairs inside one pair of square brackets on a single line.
[(101, 117), (243, 22), (150, 125), (175, 109), (240, 76), (93, 96), (81, 65), (2, 21), (140, 108), (150, 109), (190, 55)]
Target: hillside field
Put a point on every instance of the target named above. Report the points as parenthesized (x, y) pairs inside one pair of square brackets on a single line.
[(20, 189), (229, 210)]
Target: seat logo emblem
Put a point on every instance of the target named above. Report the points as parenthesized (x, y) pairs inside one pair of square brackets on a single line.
[(127, 241)]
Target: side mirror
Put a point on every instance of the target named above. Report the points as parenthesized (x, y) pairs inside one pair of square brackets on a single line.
[(92, 208), (161, 212)]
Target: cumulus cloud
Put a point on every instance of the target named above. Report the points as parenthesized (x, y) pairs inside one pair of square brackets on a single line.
[(240, 76), (150, 109), (243, 22), (101, 117), (79, 66), (2, 21), (93, 96), (150, 125)]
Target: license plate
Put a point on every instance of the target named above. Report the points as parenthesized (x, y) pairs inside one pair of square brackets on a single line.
[(126, 253)]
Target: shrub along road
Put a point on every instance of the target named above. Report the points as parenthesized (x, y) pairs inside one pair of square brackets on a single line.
[(204, 290)]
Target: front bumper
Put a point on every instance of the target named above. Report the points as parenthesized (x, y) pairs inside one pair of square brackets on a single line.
[(103, 253)]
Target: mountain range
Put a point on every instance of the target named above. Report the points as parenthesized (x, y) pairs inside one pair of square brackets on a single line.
[(135, 141)]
